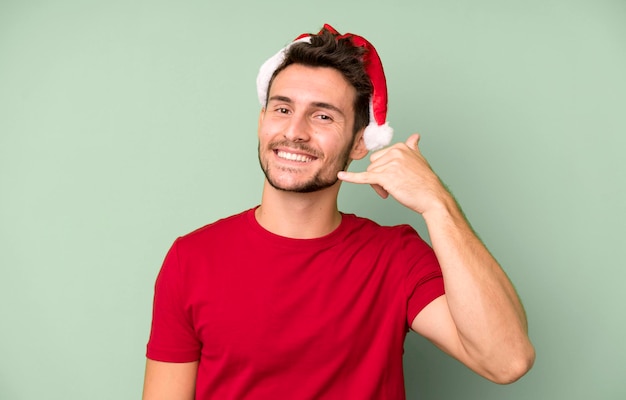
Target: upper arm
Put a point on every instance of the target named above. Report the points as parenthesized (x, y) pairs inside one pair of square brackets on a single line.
[(435, 323), (165, 380), (492, 361)]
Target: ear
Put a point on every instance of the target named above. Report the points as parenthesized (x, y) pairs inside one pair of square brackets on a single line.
[(359, 150)]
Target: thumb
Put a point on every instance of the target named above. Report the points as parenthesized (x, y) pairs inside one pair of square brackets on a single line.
[(412, 141)]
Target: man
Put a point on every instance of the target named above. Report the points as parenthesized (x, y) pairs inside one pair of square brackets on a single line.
[(296, 300)]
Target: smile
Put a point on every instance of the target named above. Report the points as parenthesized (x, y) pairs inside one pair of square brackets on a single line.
[(294, 157)]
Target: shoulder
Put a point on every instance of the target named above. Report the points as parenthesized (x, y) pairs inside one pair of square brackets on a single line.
[(388, 233), (203, 245), (219, 226), (214, 232), (402, 242)]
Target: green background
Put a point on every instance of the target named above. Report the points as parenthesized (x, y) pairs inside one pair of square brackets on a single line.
[(124, 124)]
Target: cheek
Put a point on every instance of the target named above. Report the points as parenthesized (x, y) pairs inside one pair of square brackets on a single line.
[(263, 130), (269, 126)]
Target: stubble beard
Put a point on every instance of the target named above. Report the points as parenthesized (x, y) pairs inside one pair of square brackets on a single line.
[(321, 180)]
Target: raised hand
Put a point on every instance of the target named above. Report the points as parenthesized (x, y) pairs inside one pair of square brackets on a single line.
[(402, 172)]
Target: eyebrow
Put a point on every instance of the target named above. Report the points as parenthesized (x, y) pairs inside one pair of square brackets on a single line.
[(319, 104)]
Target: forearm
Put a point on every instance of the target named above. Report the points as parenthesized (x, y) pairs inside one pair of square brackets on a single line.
[(486, 310)]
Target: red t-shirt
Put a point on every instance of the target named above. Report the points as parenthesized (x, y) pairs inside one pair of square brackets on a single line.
[(270, 317)]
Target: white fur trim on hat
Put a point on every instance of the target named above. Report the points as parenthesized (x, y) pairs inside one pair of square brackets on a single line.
[(267, 70)]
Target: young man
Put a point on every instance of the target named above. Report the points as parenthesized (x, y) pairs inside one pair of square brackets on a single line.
[(294, 299)]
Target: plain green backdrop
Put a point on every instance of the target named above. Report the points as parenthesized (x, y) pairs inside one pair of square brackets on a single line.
[(124, 124)]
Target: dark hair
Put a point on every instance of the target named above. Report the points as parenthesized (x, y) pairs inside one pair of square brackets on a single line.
[(325, 50)]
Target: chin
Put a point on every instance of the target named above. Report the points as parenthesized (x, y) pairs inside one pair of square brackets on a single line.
[(310, 186)]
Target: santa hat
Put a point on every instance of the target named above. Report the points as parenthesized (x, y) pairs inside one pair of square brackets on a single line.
[(378, 133)]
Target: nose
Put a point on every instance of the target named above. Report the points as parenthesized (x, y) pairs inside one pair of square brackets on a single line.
[(298, 129)]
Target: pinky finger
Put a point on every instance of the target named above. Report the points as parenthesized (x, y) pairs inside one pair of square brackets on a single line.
[(380, 191)]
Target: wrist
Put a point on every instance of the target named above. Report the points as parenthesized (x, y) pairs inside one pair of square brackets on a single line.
[(445, 208)]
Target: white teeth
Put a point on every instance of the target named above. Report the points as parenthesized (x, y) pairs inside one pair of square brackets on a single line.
[(294, 157)]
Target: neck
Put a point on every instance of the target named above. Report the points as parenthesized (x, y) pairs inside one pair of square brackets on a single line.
[(299, 215)]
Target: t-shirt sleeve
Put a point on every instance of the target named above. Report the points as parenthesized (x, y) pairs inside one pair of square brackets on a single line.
[(172, 335), (424, 280)]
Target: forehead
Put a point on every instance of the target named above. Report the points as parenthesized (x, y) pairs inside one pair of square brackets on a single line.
[(314, 84)]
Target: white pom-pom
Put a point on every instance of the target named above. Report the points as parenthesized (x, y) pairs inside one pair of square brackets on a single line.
[(377, 136)]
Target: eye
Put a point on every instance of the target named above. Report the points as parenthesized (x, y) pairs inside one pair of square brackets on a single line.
[(282, 110), (324, 117)]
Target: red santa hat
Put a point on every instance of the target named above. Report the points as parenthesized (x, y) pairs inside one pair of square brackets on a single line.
[(378, 133)]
